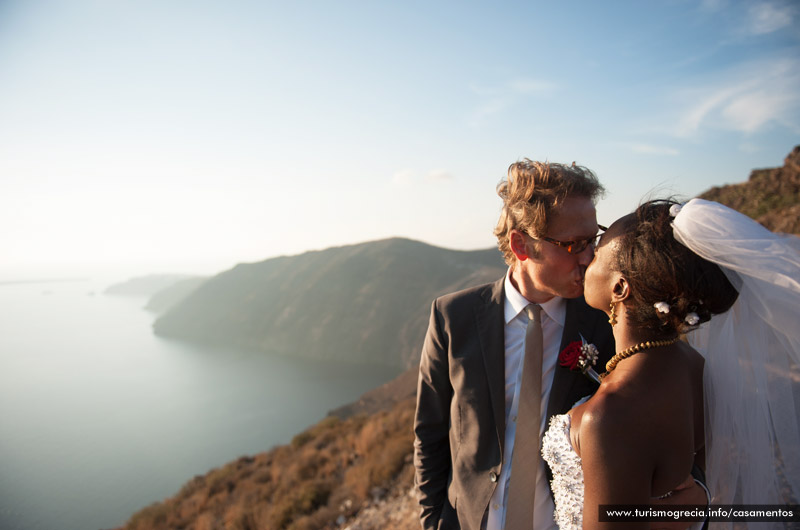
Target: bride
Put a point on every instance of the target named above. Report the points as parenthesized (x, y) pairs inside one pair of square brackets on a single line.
[(725, 403)]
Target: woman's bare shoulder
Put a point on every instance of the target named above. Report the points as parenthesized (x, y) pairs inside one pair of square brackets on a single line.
[(614, 448), (645, 410), (608, 418)]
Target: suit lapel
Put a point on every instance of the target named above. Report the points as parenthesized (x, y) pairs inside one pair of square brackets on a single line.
[(491, 332), (569, 386)]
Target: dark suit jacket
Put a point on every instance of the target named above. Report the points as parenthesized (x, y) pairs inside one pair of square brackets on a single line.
[(460, 420)]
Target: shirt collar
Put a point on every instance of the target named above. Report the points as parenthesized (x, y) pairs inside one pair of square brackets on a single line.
[(515, 303)]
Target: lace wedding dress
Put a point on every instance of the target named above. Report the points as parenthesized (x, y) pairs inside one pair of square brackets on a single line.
[(567, 483)]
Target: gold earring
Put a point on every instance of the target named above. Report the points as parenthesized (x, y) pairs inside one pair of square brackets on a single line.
[(612, 318)]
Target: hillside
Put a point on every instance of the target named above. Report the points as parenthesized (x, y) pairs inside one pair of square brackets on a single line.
[(172, 295), (327, 477), (360, 303), (353, 470), (770, 196)]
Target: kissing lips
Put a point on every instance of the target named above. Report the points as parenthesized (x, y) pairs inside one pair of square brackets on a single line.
[(580, 281)]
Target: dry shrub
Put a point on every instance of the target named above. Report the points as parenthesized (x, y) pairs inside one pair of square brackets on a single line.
[(302, 467), (326, 439), (263, 476), (263, 459), (205, 521), (189, 507), (370, 435), (244, 461), (301, 439), (191, 487), (322, 432), (266, 490), (315, 521), (239, 518), (377, 468), (327, 424), (306, 498), (383, 444), (356, 482), (221, 479), (149, 518), (385, 464)]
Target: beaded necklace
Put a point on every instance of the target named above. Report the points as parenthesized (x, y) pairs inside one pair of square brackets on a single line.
[(624, 354)]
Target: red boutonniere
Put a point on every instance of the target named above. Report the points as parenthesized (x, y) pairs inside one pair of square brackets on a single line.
[(580, 355)]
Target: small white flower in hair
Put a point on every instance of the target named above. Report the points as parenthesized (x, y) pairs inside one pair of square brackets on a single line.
[(675, 209), (662, 307), (692, 319)]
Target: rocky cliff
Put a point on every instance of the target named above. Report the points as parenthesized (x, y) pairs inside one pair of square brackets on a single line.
[(770, 196)]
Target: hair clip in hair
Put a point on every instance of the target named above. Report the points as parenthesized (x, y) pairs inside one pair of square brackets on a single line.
[(662, 307), (692, 319), (675, 209)]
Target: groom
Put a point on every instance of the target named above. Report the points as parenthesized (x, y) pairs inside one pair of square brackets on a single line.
[(470, 383)]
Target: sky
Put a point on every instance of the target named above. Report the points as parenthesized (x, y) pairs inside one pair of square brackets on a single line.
[(187, 136)]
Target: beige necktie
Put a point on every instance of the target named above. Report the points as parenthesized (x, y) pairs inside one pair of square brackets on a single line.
[(525, 461)]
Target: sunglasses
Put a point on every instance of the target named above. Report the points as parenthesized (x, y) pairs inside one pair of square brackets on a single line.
[(575, 247)]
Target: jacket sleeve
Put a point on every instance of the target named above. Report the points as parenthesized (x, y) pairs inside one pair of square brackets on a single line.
[(432, 460)]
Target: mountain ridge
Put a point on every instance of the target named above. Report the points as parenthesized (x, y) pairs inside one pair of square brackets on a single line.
[(282, 305)]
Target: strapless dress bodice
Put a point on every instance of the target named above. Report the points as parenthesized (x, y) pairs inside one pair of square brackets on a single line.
[(567, 483)]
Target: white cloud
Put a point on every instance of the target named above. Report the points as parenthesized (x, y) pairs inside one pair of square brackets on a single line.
[(750, 111), (768, 17), (745, 100), (403, 177), (707, 100)]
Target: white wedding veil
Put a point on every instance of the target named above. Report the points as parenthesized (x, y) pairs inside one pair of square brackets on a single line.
[(752, 353)]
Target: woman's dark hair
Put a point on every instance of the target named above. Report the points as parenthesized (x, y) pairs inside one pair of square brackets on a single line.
[(660, 269)]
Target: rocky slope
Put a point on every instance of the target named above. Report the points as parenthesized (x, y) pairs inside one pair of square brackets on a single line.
[(770, 196), (341, 473)]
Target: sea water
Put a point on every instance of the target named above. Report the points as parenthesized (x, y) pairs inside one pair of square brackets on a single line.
[(100, 418)]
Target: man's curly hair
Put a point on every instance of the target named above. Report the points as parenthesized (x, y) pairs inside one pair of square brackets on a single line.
[(532, 191)]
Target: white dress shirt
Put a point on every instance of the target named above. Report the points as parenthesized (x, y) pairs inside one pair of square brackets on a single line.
[(553, 316)]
